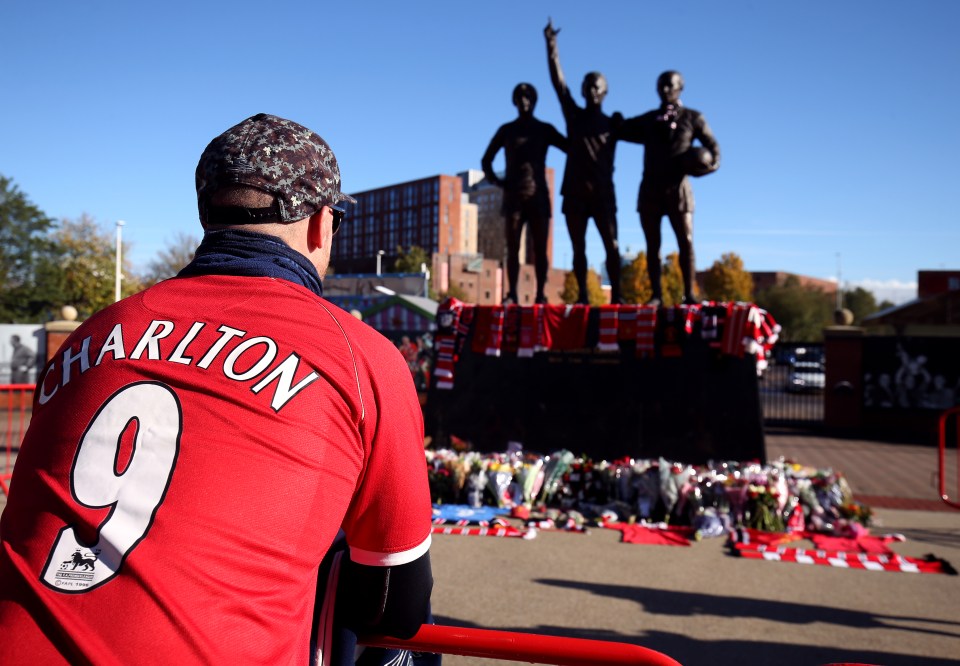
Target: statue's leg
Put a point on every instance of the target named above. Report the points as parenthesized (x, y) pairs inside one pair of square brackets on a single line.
[(514, 229), (650, 223), (682, 223), (540, 228), (607, 226), (577, 227)]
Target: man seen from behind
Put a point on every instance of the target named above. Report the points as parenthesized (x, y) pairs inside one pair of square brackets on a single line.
[(196, 448)]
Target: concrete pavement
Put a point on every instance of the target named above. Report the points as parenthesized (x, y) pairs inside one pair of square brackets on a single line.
[(702, 605)]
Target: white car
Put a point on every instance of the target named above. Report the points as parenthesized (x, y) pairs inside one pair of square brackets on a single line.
[(806, 376)]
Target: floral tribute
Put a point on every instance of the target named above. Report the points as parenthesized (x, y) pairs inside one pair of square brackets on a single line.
[(713, 500)]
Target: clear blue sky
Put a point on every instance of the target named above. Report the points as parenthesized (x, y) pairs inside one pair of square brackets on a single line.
[(836, 120)]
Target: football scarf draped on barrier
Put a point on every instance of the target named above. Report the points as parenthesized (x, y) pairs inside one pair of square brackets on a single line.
[(646, 326), (734, 329), (608, 328)]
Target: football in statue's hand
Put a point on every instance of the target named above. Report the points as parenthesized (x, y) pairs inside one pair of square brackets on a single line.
[(698, 161)]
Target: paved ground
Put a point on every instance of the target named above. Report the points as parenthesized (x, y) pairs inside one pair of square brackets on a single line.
[(701, 605)]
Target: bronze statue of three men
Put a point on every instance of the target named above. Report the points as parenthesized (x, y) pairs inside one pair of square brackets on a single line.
[(667, 133)]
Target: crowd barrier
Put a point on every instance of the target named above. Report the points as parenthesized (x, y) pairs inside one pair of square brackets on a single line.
[(529, 648), (518, 646), (16, 401), (949, 424)]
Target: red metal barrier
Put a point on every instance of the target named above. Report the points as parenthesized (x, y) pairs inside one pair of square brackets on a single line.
[(944, 419), (15, 400), (516, 646)]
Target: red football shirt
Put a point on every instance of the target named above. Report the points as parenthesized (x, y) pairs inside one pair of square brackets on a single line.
[(193, 451)]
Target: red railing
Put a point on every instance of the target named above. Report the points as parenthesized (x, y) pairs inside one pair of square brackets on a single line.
[(517, 646), (945, 418), (15, 400)]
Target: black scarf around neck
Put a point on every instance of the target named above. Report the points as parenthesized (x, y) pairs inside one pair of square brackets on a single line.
[(240, 252)]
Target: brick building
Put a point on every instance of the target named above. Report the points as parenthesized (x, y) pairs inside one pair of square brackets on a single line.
[(457, 220), (431, 213)]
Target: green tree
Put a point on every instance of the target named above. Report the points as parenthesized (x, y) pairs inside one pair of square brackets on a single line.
[(571, 292), (23, 243), (80, 271), (802, 312), (634, 280), (171, 259), (726, 280), (860, 302), (411, 260)]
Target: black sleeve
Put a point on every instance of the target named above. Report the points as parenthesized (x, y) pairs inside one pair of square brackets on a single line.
[(631, 130), (392, 601), (486, 162)]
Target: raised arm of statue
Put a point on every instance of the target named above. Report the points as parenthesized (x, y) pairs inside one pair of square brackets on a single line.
[(486, 162), (556, 72)]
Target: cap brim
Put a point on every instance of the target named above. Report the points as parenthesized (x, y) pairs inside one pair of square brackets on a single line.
[(347, 198)]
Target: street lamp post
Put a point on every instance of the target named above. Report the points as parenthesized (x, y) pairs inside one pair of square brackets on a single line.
[(380, 254), (426, 280), (117, 275), (839, 285)]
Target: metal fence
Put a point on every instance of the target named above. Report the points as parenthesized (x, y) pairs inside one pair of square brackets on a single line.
[(792, 394), (15, 408)]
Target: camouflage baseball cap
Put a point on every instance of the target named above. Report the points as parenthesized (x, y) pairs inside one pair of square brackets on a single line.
[(276, 156)]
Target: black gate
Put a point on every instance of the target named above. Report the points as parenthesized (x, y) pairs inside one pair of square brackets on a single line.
[(791, 388)]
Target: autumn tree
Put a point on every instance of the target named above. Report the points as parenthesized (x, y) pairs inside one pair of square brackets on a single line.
[(726, 280), (23, 243), (634, 280), (80, 269), (671, 280), (802, 312), (571, 292), (171, 259)]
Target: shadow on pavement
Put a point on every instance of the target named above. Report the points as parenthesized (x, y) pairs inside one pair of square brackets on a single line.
[(932, 536), (669, 602)]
